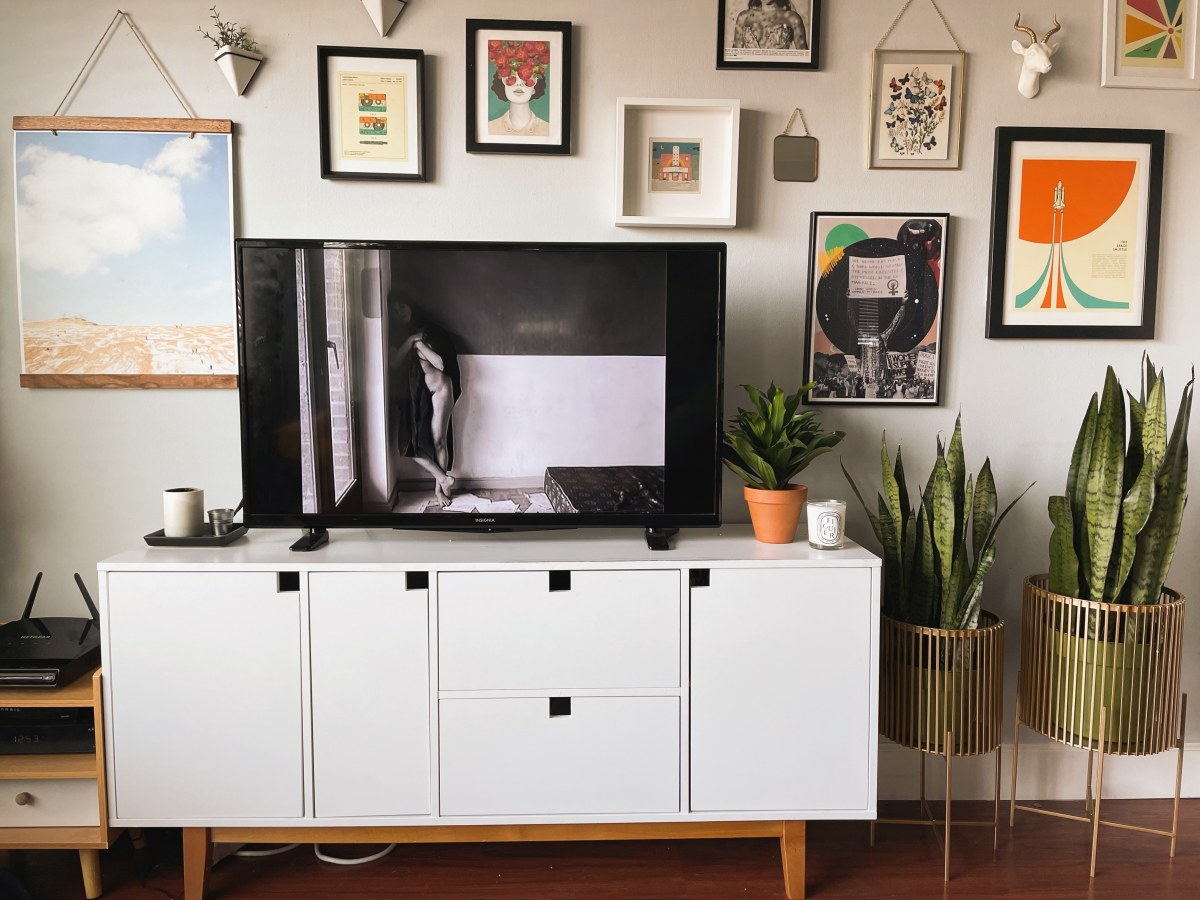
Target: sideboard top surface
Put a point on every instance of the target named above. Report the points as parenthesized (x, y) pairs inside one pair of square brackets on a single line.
[(363, 549)]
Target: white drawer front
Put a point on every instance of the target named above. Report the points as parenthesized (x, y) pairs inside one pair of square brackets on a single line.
[(508, 630), (511, 757), (51, 801)]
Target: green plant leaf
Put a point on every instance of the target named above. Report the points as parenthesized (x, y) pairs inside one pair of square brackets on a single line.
[(923, 595), (973, 594), (891, 557), (1158, 539), (875, 525), (1077, 487), (1104, 479), (941, 514), (983, 512), (1064, 564)]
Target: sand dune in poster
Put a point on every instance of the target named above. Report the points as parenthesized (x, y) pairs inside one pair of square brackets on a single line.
[(76, 346)]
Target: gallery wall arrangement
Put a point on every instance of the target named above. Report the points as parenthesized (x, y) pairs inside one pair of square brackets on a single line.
[(982, 224)]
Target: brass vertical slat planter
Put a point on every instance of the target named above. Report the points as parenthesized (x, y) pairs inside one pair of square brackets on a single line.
[(1104, 677), (942, 692)]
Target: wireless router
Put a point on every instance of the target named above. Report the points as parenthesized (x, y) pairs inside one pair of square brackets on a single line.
[(48, 652)]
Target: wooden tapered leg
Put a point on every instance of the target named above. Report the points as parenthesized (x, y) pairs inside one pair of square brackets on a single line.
[(1087, 797), (996, 809), (89, 863), (137, 838), (791, 848), (197, 860)]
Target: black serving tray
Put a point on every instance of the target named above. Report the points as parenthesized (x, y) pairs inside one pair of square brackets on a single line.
[(208, 539)]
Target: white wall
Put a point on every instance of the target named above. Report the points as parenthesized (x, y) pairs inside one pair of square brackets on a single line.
[(82, 469)]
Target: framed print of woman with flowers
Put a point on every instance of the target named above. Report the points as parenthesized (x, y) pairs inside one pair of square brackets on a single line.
[(518, 86)]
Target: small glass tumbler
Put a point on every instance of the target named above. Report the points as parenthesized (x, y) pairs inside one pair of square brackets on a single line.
[(826, 524)]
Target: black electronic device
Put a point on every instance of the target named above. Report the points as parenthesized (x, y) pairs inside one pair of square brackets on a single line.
[(477, 386), (49, 651), (39, 729)]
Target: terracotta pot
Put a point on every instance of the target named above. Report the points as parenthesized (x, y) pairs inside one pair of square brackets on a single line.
[(775, 514)]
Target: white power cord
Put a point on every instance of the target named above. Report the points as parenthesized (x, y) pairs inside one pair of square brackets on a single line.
[(352, 862), (274, 851)]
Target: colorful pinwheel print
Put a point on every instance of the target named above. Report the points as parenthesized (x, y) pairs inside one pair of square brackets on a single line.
[(917, 107)]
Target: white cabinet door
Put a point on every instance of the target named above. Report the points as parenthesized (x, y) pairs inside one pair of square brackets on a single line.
[(205, 695), (782, 691), (369, 639)]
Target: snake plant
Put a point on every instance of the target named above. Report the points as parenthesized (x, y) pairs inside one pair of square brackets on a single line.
[(1116, 527), (768, 445), (936, 552)]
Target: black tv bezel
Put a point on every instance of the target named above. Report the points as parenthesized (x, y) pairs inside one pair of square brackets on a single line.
[(468, 522)]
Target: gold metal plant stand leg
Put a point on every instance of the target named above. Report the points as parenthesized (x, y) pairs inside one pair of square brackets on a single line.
[(1092, 805), (947, 821)]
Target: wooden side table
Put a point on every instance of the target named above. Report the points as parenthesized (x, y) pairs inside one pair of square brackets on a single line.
[(57, 801)]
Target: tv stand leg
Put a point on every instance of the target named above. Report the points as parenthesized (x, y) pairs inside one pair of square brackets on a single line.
[(197, 861), (311, 539), (660, 538)]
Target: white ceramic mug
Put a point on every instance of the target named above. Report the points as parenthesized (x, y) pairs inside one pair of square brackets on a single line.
[(826, 524), (183, 512)]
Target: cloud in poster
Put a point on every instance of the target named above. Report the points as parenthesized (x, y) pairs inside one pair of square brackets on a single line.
[(75, 212)]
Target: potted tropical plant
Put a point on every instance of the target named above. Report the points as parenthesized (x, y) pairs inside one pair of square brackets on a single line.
[(236, 54), (1107, 626), (767, 446), (936, 673)]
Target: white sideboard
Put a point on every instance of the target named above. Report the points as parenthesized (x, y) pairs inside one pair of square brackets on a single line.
[(530, 686)]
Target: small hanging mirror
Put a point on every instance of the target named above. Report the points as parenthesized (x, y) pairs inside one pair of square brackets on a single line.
[(796, 154)]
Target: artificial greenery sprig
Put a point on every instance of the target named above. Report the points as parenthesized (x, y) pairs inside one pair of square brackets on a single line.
[(229, 34)]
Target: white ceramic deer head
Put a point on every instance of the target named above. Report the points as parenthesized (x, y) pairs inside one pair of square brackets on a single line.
[(1035, 59)]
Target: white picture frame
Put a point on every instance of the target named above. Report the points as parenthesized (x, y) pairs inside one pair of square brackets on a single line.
[(1169, 61), (710, 124)]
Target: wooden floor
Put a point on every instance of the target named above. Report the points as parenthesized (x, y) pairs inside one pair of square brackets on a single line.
[(1041, 857)]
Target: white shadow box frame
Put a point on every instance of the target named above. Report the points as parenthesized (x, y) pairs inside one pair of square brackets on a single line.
[(713, 125)]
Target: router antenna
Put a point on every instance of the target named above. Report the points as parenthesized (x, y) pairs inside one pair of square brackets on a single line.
[(32, 593), (87, 598)]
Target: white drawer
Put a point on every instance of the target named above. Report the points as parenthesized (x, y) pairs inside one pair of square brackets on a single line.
[(509, 630), (511, 757), (50, 801)]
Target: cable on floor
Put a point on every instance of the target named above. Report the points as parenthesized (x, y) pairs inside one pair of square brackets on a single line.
[(352, 862), (274, 851)]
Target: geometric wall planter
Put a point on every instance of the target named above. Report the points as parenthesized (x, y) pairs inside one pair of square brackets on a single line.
[(239, 66), (384, 13)]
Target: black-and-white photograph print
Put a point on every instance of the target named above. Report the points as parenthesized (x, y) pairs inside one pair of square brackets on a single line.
[(768, 34), (442, 379)]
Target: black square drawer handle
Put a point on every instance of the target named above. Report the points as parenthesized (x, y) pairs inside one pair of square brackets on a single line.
[(560, 580), (560, 706)]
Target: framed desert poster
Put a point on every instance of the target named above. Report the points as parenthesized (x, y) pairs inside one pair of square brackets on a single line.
[(518, 86), (371, 113), (1150, 44), (125, 252), (876, 289), (768, 34), (1075, 230)]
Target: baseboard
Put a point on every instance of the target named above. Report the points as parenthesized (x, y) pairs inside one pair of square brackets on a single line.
[(1048, 771)]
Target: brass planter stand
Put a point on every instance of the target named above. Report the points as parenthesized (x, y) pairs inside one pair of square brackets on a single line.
[(941, 692), (1104, 677)]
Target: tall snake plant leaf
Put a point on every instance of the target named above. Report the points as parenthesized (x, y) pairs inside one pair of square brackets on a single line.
[(973, 595), (1104, 482), (924, 590), (1064, 563), (876, 526), (1151, 436), (891, 559), (1077, 488), (1156, 543), (983, 511), (941, 514), (898, 474), (957, 465)]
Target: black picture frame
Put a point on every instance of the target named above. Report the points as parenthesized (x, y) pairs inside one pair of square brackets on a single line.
[(386, 76), (543, 46), (880, 272), (732, 19), (1037, 173)]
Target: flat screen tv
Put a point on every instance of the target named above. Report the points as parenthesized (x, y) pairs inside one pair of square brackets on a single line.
[(480, 386)]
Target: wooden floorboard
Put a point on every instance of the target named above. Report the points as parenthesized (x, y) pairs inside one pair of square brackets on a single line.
[(1040, 858)]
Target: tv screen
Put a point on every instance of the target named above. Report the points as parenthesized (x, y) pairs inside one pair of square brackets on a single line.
[(480, 386)]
